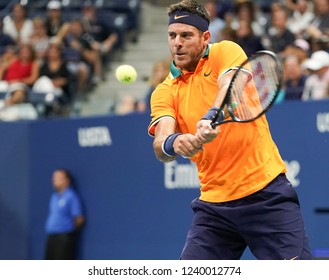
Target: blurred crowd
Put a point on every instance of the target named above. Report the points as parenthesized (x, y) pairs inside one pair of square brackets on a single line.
[(296, 30), (48, 61), (57, 60)]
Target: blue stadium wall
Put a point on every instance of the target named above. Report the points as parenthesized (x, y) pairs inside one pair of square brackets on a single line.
[(136, 207)]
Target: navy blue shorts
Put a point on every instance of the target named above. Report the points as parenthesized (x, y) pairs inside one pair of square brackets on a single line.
[(269, 222)]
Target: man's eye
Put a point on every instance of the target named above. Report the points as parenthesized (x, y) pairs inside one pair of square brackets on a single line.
[(186, 35)]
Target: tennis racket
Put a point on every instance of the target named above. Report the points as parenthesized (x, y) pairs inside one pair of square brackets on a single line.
[(253, 89)]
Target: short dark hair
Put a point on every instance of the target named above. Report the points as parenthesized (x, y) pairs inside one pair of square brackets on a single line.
[(190, 6)]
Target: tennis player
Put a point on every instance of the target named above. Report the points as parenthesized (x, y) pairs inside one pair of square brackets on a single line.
[(246, 199)]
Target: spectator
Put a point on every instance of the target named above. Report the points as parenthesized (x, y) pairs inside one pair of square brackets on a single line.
[(227, 33), (22, 68), (55, 23), (15, 106), (105, 36), (55, 79), (295, 77), (160, 71), (246, 10), (301, 16), (39, 39), (79, 40), (320, 43), (17, 25), (279, 34), (127, 104), (316, 85), (216, 24), (320, 25), (300, 48), (247, 39), (7, 57), (65, 218), (225, 9), (16, 94)]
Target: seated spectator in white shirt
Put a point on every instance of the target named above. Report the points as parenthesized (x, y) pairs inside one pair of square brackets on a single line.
[(316, 85), (17, 25), (15, 106)]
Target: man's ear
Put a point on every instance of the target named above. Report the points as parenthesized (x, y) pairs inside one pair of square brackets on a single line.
[(206, 37)]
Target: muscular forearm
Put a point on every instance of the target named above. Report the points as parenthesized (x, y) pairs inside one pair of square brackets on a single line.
[(164, 128)]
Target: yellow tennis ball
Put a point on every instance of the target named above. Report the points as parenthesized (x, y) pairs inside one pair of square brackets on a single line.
[(126, 74)]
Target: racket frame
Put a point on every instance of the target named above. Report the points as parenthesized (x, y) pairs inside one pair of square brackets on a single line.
[(227, 100)]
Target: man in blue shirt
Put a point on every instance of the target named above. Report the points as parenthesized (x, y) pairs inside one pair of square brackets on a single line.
[(64, 219)]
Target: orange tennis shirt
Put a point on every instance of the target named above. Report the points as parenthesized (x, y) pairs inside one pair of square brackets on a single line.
[(243, 158)]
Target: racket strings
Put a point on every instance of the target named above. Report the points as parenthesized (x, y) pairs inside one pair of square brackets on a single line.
[(252, 94)]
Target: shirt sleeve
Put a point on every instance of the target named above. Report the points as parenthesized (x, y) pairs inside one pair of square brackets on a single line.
[(162, 105), (228, 55), (75, 206)]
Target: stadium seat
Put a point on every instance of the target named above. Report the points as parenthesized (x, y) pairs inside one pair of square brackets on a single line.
[(5, 7), (36, 4)]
